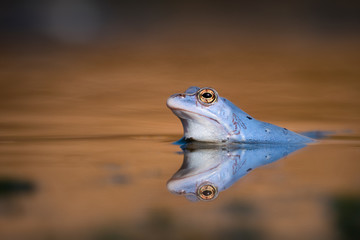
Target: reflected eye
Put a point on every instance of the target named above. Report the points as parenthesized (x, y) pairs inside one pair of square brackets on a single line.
[(207, 96), (207, 192)]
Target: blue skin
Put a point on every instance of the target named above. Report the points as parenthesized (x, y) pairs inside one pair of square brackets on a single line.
[(222, 122), (222, 165)]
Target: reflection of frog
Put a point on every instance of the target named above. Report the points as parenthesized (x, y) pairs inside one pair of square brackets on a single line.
[(208, 169), (207, 117)]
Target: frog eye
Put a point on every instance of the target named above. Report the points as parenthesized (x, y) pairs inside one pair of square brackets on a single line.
[(207, 95), (207, 192)]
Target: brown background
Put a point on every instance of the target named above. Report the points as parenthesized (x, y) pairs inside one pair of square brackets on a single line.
[(83, 86)]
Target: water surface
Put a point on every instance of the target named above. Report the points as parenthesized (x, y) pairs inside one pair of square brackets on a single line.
[(86, 142)]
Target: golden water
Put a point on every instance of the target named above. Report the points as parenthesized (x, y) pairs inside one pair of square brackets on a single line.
[(88, 129)]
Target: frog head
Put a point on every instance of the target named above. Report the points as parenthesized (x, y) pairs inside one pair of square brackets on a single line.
[(205, 115)]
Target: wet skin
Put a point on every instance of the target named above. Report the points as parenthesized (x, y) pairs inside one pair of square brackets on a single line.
[(207, 117)]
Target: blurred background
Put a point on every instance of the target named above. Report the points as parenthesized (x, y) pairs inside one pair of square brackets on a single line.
[(106, 65), (85, 134)]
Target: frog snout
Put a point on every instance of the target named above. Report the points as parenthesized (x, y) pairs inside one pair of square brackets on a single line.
[(173, 100), (180, 95)]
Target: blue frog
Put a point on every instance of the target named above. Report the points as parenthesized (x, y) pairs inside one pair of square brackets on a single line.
[(207, 117)]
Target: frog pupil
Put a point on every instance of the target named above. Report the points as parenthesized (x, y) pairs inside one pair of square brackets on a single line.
[(207, 193), (207, 95)]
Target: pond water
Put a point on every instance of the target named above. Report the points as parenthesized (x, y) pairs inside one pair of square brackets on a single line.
[(86, 142)]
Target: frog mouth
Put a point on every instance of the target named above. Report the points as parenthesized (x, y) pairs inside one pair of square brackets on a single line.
[(178, 112)]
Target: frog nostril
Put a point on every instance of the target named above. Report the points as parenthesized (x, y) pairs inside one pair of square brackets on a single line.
[(181, 95)]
